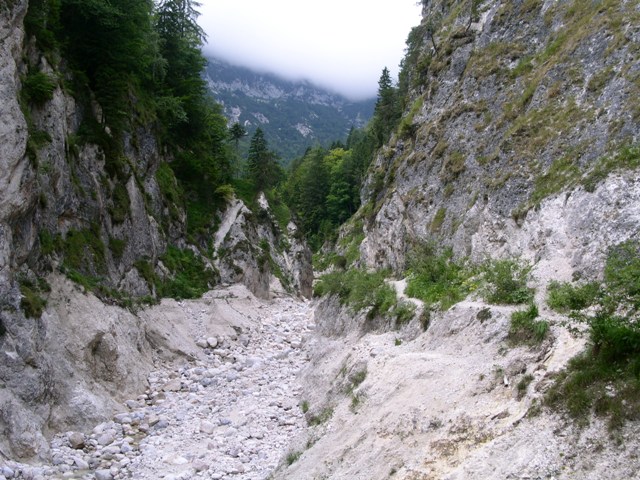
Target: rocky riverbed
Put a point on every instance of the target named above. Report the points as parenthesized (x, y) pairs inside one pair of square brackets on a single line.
[(228, 414)]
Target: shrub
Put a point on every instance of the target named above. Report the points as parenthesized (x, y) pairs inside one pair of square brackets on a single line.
[(32, 303), (121, 203), (563, 297), (292, 457), (404, 312), (434, 276), (38, 88), (605, 379), (507, 282), (525, 329), (117, 247), (191, 277), (359, 289), (321, 418)]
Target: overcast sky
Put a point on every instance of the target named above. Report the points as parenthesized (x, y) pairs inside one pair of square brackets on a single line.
[(339, 44)]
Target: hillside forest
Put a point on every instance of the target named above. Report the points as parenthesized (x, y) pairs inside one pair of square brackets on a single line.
[(142, 62)]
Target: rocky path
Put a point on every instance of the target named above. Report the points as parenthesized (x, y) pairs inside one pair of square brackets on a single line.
[(230, 415)]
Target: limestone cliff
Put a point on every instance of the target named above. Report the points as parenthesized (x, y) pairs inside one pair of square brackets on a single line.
[(68, 205), (519, 141), (520, 127)]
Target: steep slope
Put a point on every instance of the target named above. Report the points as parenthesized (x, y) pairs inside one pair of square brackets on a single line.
[(520, 143), (294, 115), (107, 212), (526, 101)]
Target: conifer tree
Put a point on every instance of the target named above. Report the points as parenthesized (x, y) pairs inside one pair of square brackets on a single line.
[(387, 111), (262, 164)]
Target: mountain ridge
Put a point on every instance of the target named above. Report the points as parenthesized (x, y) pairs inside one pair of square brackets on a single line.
[(294, 114)]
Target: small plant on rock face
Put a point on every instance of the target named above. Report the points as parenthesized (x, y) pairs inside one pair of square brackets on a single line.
[(525, 328), (507, 282), (304, 406), (293, 457)]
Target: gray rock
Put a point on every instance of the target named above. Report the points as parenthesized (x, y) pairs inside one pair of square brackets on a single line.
[(76, 440), (207, 427), (103, 475), (106, 439)]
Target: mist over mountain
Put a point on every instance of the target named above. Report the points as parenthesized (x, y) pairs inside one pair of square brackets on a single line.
[(293, 114)]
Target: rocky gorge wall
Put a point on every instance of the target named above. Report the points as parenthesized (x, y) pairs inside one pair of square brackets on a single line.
[(69, 207), (516, 103)]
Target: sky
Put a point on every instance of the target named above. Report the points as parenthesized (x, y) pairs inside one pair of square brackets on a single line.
[(342, 45)]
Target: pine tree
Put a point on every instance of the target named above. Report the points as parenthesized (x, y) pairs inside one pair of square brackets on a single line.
[(262, 164), (387, 111), (236, 132)]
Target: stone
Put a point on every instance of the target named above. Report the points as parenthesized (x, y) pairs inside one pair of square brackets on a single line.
[(76, 440), (172, 385), (80, 463), (103, 475), (207, 427), (106, 439), (212, 342)]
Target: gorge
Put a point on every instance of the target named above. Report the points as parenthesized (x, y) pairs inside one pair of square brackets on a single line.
[(475, 318)]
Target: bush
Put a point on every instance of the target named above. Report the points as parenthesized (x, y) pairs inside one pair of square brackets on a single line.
[(32, 303), (563, 297), (359, 290), (605, 379), (191, 277), (38, 88), (121, 203), (436, 277), (507, 282), (525, 329)]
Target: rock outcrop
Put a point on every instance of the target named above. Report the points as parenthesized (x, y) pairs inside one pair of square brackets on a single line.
[(69, 204), (516, 114)]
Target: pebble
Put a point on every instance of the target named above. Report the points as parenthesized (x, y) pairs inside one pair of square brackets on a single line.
[(230, 415)]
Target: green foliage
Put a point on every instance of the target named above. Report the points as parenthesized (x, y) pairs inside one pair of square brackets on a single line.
[(605, 379), (407, 128), (190, 276), (435, 277), (38, 88), (387, 111), (563, 297), (42, 21), (523, 384), (323, 188), (32, 304), (525, 329), (262, 164), (627, 158), (507, 282), (563, 173), (84, 251), (117, 247), (293, 457), (404, 312), (121, 203), (323, 417), (304, 406), (359, 290), (438, 219)]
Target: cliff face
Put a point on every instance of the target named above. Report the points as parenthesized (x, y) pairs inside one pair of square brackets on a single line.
[(519, 141), (516, 137), (68, 205)]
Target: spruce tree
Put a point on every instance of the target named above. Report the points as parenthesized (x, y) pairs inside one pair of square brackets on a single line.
[(262, 164)]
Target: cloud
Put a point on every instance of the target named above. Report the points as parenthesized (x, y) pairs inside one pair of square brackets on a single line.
[(340, 44)]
